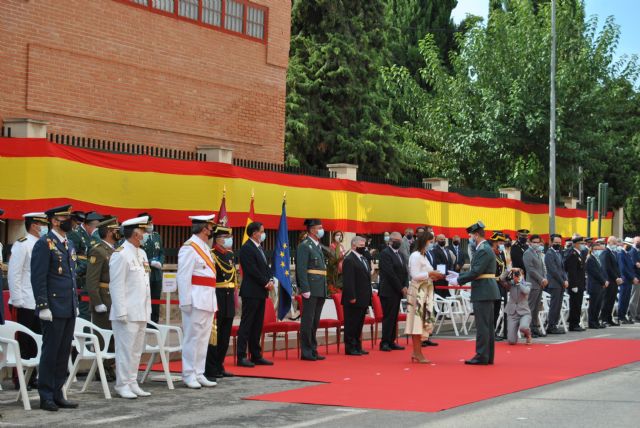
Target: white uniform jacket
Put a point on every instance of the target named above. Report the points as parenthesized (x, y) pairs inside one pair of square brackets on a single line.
[(19, 275), (129, 284), (193, 268)]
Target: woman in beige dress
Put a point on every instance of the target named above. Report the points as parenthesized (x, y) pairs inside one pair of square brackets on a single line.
[(420, 316)]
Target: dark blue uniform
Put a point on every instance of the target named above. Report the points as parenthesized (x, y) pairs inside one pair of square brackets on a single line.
[(53, 265)]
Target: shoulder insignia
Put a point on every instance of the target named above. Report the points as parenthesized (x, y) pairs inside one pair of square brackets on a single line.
[(119, 249), (24, 238), (92, 260), (95, 245)]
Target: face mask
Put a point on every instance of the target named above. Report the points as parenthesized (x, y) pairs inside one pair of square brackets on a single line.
[(456, 243), (43, 230), (522, 240), (597, 253), (556, 247), (396, 245), (430, 247), (472, 241), (508, 245), (409, 236), (263, 236), (578, 247), (66, 225), (320, 233), (338, 238), (228, 242), (150, 228), (360, 250), (638, 246), (541, 248), (145, 237), (501, 247), (386, 239), (442, 243)]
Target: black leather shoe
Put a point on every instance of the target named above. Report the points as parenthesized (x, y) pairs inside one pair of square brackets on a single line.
[(65, 404), (320, 357), (385, 348), (576, 328), (307, 358), (243, 362), (48, 405), (612, 323), (363, 352), (226, 374), (353, 353), (475, 362), (499, 338), (396, 347), (428, 342), (262, 362), (555, 330)]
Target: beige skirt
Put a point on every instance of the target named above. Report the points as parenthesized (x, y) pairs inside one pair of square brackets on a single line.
[(420, 316)]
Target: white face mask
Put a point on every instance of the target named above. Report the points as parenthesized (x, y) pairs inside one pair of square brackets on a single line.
[(145, 237), (228, 243), (263, 236), (43, 230)]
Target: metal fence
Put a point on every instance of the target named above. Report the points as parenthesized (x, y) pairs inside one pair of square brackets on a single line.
[(267, 166), (407, 182)]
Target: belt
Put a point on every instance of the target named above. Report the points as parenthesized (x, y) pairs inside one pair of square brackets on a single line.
[(317, 272), (487, 276), (227, 284), (82, 257), (103, 285), (204, 281)]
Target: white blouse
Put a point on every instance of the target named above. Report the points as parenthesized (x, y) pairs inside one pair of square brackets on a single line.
[(419, 266)]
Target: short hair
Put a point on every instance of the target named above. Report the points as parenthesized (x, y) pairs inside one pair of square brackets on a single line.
[(253, 227), (480, 232), (534, 237), (28, 222), (357, 239), (127, 232), (554, 236), (102, 232), (197, 227)]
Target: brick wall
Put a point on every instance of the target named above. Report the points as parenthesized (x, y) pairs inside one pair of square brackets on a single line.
[(104, 69)]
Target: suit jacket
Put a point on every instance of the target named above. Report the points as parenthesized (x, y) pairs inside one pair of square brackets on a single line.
[(555, 269), (393, 273), (53, 276), (460, 255), (609, 263), (309, 256), (405, 251), (534, 267), (441, 256), (483, 262), (627, 267), (517, 255), (575, 266), (596, 276), (356, 282), (255, 271), (518, 302)]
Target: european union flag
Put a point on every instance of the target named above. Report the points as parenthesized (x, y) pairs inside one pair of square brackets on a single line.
[(281, 265)]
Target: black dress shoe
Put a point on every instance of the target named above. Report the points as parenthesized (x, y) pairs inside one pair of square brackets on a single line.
[(243, 362), (396, 347), (499, 338), (363, 352), (262, 362), (308, 358), (48, 405), (65, 404), (612, 323), (576, 328), (555, 330), (428, 342), (475, 362), (226, 374), (320, 357), (353, 353), (385, 348)]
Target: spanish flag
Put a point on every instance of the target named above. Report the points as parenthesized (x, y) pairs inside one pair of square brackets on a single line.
[(249, 220)]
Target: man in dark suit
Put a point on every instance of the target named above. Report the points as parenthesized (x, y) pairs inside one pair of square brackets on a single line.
[(596, 283), (441, 256), (356, 295), (609, 263), (558, 282), (254, 289), (393, 287), (574, 265), (53, 267), (458, 253), (484, 293), (518, 249)]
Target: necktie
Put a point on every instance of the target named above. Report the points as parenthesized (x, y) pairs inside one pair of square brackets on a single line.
[(398, 256), (262, 254)]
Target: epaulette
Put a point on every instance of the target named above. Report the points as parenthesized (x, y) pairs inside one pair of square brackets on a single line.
[(119, 249), (187, 243), (24, 238), (95, 245)]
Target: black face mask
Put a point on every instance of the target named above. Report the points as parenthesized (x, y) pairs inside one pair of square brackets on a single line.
[(409, 236), (441, 243), (522, 240), (396, 245), (456, 242), (638, 246), (360, 250), (556, 247), (507, 244), (66, 225)]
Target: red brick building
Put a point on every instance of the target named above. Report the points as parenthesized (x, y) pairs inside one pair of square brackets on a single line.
[(177, 73)]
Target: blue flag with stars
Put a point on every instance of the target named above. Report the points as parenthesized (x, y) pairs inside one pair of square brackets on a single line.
[(282, 265)]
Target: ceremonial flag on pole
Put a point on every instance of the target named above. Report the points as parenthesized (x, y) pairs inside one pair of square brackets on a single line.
[(223, 219), (282, 265), (249, 220)]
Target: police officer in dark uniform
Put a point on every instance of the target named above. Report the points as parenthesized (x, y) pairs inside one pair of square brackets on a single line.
[(152, 245), (83, 239), (497, 241), (518, 248), (226, 282), (53, 264)]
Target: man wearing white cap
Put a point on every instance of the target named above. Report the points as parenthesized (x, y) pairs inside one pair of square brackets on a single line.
[(130, 306), (197, 293), (20, 290)]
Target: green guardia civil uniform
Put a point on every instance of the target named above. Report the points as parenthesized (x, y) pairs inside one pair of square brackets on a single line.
[(155, 252), (82, 242)]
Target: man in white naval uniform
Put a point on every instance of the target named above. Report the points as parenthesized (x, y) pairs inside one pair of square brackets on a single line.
[(20, 289), (130, 306), (197, 293)]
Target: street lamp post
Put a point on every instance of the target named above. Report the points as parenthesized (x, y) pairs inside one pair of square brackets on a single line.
[(552, 126)]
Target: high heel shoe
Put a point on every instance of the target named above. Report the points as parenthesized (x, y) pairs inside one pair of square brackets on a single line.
[(419, 359)]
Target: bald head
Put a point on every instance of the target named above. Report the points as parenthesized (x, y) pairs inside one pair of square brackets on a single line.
[(612, 240), (395, 235)]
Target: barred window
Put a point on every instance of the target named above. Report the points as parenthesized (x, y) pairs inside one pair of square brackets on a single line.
[(212, 12), (165, 5), (255, 22), (188, 8), (233, 16)]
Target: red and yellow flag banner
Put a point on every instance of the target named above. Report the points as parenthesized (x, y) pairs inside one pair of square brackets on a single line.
[(36, 174)]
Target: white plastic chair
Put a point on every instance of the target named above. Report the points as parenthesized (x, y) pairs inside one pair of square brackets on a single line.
[(10, 356), (584, 313), (467, 306), (162, 334), (449, 307), (564, 312), (88, 347)]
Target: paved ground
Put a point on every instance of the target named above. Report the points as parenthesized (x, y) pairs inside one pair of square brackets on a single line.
[(607, 398)]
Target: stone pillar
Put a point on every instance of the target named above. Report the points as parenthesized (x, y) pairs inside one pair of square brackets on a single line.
[(512, 193), (570, 202), (345, 171), (217, 154), (25, 128), (617, 226), (436, 183)]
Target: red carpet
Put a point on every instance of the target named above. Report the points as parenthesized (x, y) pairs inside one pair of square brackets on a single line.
[(387, 380)]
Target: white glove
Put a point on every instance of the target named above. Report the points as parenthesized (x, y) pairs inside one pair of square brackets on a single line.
[(574, 289), (306, 295), (101, 308), (186, 309), (45, 315), (156, 264)]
